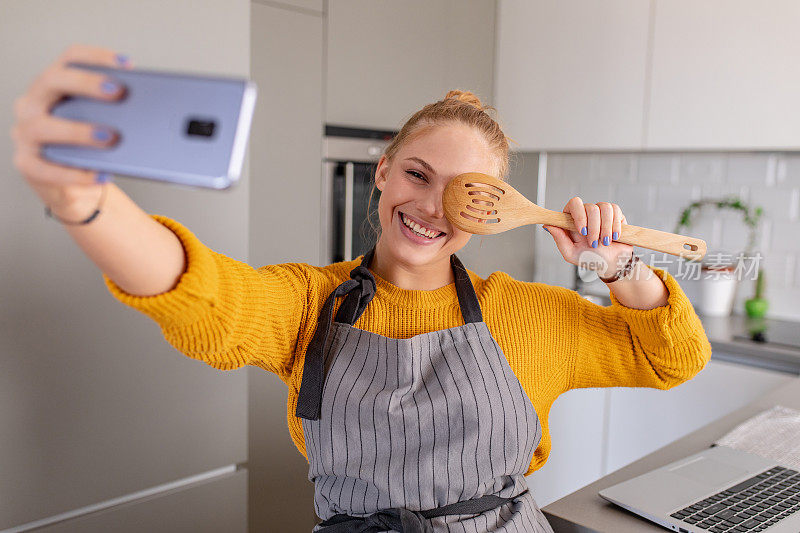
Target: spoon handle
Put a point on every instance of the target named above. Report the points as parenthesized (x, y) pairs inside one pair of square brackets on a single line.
[(660, 241)]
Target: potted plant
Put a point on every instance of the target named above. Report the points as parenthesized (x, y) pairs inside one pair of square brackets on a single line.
[(756, 306), (719, 288)]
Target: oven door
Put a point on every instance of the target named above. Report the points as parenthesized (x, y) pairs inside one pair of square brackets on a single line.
[(351, 234)]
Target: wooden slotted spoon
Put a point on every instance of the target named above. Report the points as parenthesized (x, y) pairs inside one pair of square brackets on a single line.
[(471, 194)]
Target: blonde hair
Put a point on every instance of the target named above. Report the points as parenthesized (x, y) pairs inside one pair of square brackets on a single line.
[(457, 107)]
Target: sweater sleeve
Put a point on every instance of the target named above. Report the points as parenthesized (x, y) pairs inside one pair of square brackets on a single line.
[(618, 346), (225, 312)]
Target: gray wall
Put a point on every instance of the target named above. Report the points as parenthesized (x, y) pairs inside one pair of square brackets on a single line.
[(94, 403)]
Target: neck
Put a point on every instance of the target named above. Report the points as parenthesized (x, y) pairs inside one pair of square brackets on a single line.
[(411, 277)]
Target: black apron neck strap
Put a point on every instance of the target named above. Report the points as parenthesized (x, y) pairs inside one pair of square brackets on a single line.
[(467, 299), (360, 289), (358, 292), (354, 302), (352, 307)]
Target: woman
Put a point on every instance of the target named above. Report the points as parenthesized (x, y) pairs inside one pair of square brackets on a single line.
[(418, 391)]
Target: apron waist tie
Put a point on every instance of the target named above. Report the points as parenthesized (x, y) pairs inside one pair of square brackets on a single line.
[(407, 521)]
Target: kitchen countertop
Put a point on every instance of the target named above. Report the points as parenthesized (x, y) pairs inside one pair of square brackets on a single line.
[(731, 340), (585, 511)]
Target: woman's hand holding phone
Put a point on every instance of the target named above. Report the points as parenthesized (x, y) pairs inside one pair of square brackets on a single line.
[(71, 193)]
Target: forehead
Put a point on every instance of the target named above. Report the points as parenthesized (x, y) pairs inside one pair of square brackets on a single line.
[(451, 150)]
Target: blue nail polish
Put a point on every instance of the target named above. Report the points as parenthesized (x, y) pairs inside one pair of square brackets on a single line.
[(594, 243), (547, 230), (615, 236), (109, 87), (101, 134), (584, 231), (103, 177), (122, 59), (605, 240)]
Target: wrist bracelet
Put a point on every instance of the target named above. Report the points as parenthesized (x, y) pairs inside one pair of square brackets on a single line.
[(624, 271), (91, 217)]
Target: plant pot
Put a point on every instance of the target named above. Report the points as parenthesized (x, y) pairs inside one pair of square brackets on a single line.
[(718, 291), (756, 307)]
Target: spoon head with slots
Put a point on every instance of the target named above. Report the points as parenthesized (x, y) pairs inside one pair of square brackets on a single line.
[(484, 205)]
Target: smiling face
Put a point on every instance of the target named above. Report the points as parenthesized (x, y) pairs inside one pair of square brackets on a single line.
[(411, 192)]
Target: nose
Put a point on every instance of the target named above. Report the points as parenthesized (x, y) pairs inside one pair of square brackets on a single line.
[(432, 204)]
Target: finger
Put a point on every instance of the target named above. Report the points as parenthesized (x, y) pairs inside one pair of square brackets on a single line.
[(59, 80), (564, 243), (606, 222), (97, 55), (616, 230), (47, 129), (37, 170), (593, 223), (575, 208), (57, 83)]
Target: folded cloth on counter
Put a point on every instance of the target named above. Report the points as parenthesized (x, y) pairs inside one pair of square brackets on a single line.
[(774, 434)]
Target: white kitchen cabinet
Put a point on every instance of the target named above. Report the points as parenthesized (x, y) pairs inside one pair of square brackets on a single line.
[(570, 74), (724, 76), (660, 75), (642, 420), (386, 60), (576, 432), (596, 431)]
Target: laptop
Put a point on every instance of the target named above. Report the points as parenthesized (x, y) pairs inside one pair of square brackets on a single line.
[(715, 490)]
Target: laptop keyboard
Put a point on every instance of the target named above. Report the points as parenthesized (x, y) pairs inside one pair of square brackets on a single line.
[(752, 505)]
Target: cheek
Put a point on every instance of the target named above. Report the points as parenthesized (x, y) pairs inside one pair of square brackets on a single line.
[(460, 236)]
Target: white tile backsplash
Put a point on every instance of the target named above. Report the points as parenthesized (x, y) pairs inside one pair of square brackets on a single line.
[(788, 171), (669, 196), (657, 168), (785, 236), (614, 168), (652, 189), (701, 168), (780, 203), (577, 168), (709, 191), (748, 169)]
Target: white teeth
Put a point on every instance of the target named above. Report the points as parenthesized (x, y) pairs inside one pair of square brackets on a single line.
[(424, 232)]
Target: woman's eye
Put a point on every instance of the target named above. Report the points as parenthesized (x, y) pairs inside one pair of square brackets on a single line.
[(415, 174)]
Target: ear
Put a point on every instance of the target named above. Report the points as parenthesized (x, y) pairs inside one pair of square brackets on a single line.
[(380, 173)]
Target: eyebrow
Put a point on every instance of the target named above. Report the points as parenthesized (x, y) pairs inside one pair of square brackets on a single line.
[(423, 163)]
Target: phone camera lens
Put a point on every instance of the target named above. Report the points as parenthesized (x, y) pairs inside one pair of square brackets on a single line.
[(201, 128)]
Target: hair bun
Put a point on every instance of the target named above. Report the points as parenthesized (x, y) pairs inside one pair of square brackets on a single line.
[(466, 97)]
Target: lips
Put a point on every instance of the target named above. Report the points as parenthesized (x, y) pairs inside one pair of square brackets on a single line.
[(422, 223)]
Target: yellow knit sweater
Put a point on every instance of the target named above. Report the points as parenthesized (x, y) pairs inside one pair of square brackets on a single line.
[(228, 314)]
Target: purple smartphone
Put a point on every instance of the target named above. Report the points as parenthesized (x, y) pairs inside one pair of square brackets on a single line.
[(178, 128)]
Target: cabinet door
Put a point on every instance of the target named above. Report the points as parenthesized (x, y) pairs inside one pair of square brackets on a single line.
[(208, 507), (724, 76), (386, 60), (570, 74), (576, 433), (642, 420), (287, 65)]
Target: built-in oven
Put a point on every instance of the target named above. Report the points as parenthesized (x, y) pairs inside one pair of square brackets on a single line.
[(350, 157)]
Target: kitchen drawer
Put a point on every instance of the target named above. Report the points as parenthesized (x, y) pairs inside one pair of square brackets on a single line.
[(212, 506)]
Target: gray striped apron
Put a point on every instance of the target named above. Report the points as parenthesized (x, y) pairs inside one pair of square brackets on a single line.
[(426, 434)]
